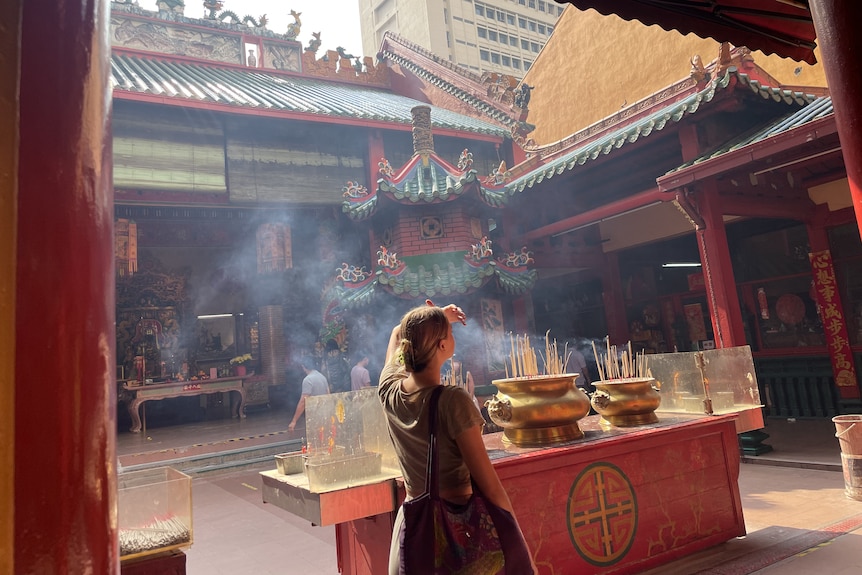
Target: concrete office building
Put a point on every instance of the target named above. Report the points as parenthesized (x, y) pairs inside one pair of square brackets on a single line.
[(502, 36)]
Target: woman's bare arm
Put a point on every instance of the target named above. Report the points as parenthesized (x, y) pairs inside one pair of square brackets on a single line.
[(476, 457), (394, 343)]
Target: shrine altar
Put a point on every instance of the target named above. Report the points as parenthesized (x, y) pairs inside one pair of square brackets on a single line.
[(137, 394), (620, 500)]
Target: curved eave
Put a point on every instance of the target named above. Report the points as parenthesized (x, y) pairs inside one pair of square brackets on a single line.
[(359, 209), (411, 186), (654, 123)]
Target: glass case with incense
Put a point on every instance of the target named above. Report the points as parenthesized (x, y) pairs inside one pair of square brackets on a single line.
[(155, 511), (537, 408)]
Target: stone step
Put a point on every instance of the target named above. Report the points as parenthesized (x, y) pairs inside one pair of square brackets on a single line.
[(260, 456)]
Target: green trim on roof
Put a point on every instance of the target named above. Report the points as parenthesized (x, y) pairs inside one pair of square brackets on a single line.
[(652, 123), (819, 108), (210, 83)]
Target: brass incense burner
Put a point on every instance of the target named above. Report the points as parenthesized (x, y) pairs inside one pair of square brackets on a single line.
[(626, 402), (626, 394), (538, 410)]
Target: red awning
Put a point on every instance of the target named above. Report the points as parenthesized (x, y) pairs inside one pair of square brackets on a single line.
[(782, 27)]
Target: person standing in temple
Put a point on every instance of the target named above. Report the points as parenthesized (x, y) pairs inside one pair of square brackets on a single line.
[(336, 368), (314, 383), (359, 376)]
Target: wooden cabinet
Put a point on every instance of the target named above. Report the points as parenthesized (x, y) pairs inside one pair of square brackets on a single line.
[(256, 390)]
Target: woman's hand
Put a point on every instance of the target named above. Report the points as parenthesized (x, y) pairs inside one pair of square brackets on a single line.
[(452, 311)]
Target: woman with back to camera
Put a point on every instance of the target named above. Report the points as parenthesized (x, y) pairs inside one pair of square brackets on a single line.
[(418, 348)]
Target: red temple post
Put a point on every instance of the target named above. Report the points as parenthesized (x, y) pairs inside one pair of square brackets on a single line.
[(837, 26), (65, 400)]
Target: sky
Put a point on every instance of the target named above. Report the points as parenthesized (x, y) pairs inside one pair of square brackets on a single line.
[(337, 20)]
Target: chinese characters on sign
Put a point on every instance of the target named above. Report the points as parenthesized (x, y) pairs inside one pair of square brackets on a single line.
[(834, 326)]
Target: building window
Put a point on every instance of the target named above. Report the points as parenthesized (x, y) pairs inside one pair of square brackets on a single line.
[(492, 36), (513, 41), (504, 39), (495, 58), (501, 16), (481, 32), (484, 55), (522, 2), (550, 30), (532, 26), (534, 47), (489, 13), (527, 65), (541, 6), (510, 19), (522, 23), (480, 11), (560, 10), (516, 64), (507, 61), (525, 45), (531, 3), (542, 29), (448, 40)]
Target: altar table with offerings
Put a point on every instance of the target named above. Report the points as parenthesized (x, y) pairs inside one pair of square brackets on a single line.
[(620, 500), (138, 394)]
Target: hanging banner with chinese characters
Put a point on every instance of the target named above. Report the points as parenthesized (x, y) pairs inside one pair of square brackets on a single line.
[(125, 247), (834, 325), (274, 250)]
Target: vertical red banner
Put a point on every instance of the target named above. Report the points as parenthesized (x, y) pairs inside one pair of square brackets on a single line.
[(834, 324)]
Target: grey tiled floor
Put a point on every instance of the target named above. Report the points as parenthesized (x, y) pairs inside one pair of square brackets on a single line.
[(798, 518)]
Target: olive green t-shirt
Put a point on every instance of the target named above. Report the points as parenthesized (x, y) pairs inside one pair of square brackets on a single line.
[(407, 416)]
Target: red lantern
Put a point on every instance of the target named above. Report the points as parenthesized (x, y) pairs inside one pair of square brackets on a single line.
[(274, 250)]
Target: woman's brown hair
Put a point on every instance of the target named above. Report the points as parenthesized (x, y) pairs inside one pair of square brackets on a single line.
[(422, 328)]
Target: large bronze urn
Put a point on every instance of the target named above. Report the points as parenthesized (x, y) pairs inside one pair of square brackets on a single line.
[(538, 410), (626, 402)]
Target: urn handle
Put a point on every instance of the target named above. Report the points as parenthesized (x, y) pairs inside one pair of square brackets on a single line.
[(499, 410), (600, 399)]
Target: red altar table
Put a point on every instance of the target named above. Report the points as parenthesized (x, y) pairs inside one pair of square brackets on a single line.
[(617, 501)]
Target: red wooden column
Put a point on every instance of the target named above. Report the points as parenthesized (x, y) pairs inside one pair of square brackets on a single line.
[(612, 297), (9, 42), (837, 26), (65, 396), (718, 271)]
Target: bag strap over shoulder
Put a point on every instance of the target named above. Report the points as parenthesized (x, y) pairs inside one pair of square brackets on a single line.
[(432, 475)]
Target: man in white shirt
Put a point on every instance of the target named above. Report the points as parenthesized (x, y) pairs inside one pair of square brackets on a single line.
[(314, 383)]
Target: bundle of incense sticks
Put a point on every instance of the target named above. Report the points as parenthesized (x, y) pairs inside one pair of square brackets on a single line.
[(617, 365), (453, 378), (522, 357)]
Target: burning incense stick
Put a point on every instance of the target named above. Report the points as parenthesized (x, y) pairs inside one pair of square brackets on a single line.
[(613, 365)]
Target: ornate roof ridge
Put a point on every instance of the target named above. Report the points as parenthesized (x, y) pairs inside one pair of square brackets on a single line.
[(492, 95), (735, 58)]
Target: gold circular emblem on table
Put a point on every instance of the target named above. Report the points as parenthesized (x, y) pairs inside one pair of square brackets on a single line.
[(602, 514)]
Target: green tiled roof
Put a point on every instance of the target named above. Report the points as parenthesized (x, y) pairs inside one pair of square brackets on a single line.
[(819, 108), (652, 123), (250, 88)]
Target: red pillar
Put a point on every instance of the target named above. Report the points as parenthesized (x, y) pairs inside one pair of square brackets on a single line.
[(717, 268), (65, 396), (612, 297), (837, 26)]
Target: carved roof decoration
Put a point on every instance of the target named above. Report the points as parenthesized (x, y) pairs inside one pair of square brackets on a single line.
[(654, 121), (423, 277), (427, 179), (491, 95)]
